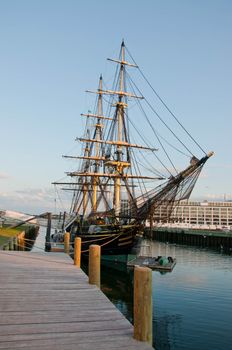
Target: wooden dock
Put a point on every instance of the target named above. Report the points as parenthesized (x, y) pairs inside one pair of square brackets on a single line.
[(47, 303)]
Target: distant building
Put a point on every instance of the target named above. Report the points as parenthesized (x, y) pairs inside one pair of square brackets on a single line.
[(196, 213)]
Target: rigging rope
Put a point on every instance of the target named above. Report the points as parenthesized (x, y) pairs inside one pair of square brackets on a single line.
[(165, 105), (161, 119), (149, 146)]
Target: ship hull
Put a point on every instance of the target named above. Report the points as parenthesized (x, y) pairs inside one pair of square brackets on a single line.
[(115, 242)]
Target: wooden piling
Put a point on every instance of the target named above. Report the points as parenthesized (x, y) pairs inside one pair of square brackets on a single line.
[(11, 244), (48, 233), (20, 241), (63, 223), (77, 251), (66, 242), (94, 265), (15, 243), (143, 304), (151, 224), (23, 240)]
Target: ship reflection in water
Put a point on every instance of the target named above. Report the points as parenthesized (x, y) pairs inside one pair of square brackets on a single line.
[(118, 286), (192, 305)]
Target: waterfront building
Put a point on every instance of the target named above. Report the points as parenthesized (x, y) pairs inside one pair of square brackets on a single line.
[(196, 213)]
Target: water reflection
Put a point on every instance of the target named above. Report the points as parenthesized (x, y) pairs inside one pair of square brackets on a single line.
[(118, 286), (165, 330), (192, 305)]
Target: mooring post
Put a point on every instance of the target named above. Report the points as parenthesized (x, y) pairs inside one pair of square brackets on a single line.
[(11, 245), (20, 241), (66, 242), (77, 251), (63, 223), (15, 243), (48, 233), (151, 226), (94, 265), (143, 304), (23, 240)]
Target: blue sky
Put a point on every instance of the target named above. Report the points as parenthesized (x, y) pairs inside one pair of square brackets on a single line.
[(52, 51)]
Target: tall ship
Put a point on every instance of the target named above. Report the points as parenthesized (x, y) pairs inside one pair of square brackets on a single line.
[(126, 169)]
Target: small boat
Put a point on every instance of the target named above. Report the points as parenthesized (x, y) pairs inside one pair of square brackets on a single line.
[(160, 263), (120, 181)]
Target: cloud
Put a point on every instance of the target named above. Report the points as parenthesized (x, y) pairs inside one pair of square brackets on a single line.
[(34, 194), (221, 165), (4, 176), (217, 197), (33, 200), (203, 175)]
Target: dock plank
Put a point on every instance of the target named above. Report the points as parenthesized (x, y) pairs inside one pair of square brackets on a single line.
[(47, 303)]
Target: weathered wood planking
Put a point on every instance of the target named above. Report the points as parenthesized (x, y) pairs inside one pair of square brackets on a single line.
[(47, 303)]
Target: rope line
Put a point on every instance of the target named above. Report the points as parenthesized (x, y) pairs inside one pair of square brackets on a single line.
[(165, 105), (84, 251), (161, 119)]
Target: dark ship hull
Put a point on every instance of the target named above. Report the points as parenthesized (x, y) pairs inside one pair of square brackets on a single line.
[(115, 240)]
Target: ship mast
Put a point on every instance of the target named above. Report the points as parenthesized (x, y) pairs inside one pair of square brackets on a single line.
[(113, 166), (117, 158), (98, 133), (122, 139), (85, 184), (120, 115)]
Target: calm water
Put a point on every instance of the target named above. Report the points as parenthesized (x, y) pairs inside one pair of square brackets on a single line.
[(192, 305)]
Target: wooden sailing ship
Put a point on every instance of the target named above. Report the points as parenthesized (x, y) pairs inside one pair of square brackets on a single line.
[(111, 202)]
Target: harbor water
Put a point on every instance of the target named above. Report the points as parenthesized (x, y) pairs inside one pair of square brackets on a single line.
[(192, 305)]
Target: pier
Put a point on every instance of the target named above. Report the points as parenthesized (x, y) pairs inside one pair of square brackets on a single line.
[(198, 237), (47, 303)]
